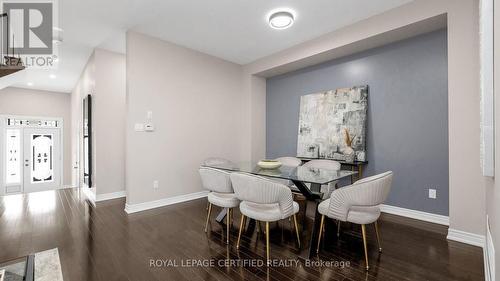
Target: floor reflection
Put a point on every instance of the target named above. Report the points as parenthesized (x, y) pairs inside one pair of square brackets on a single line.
[(42, 202), (13, 206)]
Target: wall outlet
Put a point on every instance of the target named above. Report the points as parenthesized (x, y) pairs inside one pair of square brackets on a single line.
[(432, 193), (156, 184)]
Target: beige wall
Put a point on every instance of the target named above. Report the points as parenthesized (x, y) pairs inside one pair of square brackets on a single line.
[(254, 109), (467, 185), (493, 190), (84, 87), (109, 121), (103, 78), (20, 101), (197, 103)]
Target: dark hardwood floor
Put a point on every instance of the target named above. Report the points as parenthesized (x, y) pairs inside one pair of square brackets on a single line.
[(104, 243)]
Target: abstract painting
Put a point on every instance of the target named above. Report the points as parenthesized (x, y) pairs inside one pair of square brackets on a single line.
[(327, 118)]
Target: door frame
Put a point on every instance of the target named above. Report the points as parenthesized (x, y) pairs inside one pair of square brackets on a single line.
[(3, 127)]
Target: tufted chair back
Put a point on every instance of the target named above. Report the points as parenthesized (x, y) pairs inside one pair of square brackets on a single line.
[(216, 180), (368, 192), (260, 190)]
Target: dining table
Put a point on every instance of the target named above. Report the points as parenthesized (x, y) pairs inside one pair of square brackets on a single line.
[(306, 181)]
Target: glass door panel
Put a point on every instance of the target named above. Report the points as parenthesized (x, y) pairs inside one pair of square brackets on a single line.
[(42, 168), (42, 159), (13, 157)]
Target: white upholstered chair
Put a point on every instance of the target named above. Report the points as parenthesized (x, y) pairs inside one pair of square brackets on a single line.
[(327, 165), (219, 162), (358, 203), (289, 162), (263, 200), (221, 193)]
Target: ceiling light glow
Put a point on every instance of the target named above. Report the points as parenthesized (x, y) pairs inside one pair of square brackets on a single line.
[(281, 19), (52, 76), (30, 84)]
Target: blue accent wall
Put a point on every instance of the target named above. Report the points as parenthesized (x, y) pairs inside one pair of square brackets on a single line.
[(407, 126)]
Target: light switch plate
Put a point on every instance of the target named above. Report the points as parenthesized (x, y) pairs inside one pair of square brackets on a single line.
[(139, 127)]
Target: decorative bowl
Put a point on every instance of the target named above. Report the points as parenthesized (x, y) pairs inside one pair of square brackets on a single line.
[(269, 164)]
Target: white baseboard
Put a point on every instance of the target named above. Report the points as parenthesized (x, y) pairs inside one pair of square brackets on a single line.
[(418, 215), (89, 193), (453, 234), (134, 208), (109, 196), (489, 254), (466, 237)]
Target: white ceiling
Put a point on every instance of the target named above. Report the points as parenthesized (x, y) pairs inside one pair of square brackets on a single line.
[(234, 30)]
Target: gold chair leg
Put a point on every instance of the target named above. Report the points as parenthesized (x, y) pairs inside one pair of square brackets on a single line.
[(242, 223), (321, 225), (267, 242), (296, 228), (208, 215), (378, 237), (228, 217), (363, 230)]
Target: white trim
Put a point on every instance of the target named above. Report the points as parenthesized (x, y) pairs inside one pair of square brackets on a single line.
[(89, 193), (465, 237), (489, 254), (112, 195), (418, 215), (134, 208)]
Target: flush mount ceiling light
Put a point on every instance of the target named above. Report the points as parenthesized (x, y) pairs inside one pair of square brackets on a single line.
[(281, 19)]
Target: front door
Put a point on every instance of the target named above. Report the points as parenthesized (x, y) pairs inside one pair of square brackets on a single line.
[(42, 159)]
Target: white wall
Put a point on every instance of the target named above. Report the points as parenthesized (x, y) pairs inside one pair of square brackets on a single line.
[(20, 101), (197, 104), (103, 78)]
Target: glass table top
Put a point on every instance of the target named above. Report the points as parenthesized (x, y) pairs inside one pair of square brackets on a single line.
[(301, 173), (17, 270)]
